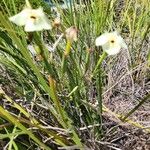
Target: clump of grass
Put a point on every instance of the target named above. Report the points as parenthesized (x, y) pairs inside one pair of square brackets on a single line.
[(64, 93)]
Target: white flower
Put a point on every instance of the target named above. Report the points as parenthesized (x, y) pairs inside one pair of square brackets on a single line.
[(111, 43), (32, 19)]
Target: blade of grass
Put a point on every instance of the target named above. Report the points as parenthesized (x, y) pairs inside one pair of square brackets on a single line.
[(13, 120), (146, 98), (10, 135), (45, 86)]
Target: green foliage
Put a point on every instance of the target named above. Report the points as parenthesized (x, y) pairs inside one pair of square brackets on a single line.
[(59, 94), (17, 5)]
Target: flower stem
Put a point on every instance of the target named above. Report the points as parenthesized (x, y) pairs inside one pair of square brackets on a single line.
[(102, 57), (66, 53)]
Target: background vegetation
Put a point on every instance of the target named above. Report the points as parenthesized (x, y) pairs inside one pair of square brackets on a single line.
[(51, 103)]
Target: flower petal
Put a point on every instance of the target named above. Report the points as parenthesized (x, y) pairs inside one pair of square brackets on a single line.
[(45, 23), (113, 50), (122, 42), (20, 18), (101, 40), (44, 20), (31, 26), (40, 23)]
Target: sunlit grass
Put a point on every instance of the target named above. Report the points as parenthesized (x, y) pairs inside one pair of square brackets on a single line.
[(64, 88)]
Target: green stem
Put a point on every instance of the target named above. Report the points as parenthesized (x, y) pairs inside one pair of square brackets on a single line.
[(147, 97), (58, 105), (102, 57), (42, 50), (33, 122), (64, 59), (12, 119), (68, 48), (6, 25)]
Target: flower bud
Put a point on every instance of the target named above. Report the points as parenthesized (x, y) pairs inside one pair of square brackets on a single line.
[(56, 22), (71, 34)]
